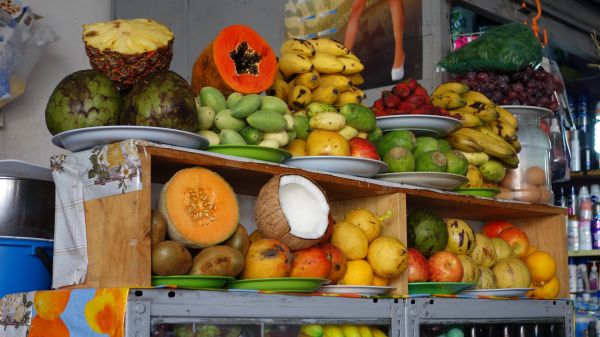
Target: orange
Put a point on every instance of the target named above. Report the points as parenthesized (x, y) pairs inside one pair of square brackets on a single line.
[(380, 281), (541, 265), (48, 328), (547, 290), (50, 304)]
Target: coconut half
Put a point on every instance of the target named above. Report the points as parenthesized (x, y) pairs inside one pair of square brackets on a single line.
[(292, 209)]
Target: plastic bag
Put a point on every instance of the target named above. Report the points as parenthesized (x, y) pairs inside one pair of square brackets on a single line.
[(507, 48), (22, 41)]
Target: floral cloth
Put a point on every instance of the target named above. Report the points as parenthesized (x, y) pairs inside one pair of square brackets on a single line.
[(15, 314), (87, 175)]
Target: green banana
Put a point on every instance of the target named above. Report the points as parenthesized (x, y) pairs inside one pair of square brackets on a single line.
[(312, 330), (463, 143), (457, 87)]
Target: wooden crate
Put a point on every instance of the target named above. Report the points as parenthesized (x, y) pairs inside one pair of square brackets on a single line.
[(118, 226)]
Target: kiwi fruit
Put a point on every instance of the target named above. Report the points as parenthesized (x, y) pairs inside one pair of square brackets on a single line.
[(239, 240), (170, 258), (158, 228), (218, 261)]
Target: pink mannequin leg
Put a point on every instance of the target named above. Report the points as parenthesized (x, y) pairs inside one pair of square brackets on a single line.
[(358, 6), (397, 11)]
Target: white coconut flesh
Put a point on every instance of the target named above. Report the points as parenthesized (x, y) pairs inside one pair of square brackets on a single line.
[(304, 206)]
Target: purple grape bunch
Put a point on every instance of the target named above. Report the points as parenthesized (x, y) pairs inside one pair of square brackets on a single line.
[(526, 87)]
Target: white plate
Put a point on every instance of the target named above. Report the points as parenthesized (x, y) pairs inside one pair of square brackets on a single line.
[(421, 125), (438, 180), (86, 138), (354, 166), (348, 289), (507, 292)]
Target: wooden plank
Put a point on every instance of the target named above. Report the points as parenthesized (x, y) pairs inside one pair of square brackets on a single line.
[(394, 226), (548, 234), (118, 236)]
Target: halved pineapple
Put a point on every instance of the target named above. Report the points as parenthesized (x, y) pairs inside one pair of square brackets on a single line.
[(127, 50)]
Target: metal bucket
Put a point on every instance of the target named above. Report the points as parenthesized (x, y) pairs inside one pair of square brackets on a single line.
[(26, 208)]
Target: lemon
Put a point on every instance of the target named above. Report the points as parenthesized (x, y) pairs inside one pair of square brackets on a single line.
[(541, 265), (380, 281), (388, 256), (358, 273), (350, 240), (365, 220)]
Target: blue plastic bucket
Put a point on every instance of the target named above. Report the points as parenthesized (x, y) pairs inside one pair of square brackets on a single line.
[(22, 266)]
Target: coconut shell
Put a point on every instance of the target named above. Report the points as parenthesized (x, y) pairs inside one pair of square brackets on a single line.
[(271, 221)]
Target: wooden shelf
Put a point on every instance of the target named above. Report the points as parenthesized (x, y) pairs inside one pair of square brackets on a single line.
[(584, 253)]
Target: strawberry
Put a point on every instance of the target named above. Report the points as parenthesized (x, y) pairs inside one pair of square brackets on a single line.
[(401, 89), (443, 112), (420, 91), (412, 84), (391, 101), (417, 100), (386, 93), (379, 112), (406, 107), (419, 111), (429, 109), (391, 111), (378, 104)]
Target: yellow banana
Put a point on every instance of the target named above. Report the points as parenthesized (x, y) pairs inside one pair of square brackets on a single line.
[(503, 130), (350, 331), (290, 64), (506, 117), (327, 95), (511, 161), (488, 113), (279, 75), (457, 87), (327, 64), (357, 91), (297, 46), (365, 331), (448, 100), (516, 145), (491, 143), (476, 96), (280, 88), (341, 82), (328, 46), (309, 80), (476, 158), (299, 97), (332, 331), (468, 119), (356, 79), (462, 143), (347, 97), (377, 333), (351, 66), (353, 56)]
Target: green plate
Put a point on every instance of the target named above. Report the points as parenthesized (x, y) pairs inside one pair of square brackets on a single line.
[(280, 284), (478, 192), (438, 288), (192, 281), (252, 151)]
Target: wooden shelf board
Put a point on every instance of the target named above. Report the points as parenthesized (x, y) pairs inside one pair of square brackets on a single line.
[(249, 177), (583, 253)]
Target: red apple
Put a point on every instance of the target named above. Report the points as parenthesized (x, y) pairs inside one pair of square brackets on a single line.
[(417, 266), (445, 267), (337, 259), (492, 228), (310, 262), (517, 239), (363, 148)]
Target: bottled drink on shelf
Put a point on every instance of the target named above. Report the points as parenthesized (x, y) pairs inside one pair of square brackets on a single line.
[(595, 226), (596, 135), (582, 113), (572, 275), (585, 219), (572, 202), (595, 193), (575, 151)]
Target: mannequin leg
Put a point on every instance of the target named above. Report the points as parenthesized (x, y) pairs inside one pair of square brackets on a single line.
[(397, 11), (358, 6)]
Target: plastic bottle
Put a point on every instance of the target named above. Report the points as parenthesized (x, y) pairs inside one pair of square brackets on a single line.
[(595, 226), (575, 151), (582, 113), (597, 135), (595, 193), (584, 194), (583, 283), (572, 202), (572, 275), (585, 219), (594, 283), (558, 164)]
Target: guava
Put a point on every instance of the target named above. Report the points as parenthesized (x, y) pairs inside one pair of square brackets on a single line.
[(492, 171), (425, 144), (399, 159), (403, 138), (431, 161), (457, 162)]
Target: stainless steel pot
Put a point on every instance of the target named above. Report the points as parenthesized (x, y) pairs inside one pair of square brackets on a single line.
[(26, 208)]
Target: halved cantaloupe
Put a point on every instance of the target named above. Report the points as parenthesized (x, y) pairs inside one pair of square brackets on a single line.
[(239, 60), (200, 207)]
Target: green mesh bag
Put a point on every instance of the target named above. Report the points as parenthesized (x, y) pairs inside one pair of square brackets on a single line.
[(507, 48)]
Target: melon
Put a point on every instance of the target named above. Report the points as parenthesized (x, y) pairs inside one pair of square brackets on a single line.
[(200, 207), (237, 60)]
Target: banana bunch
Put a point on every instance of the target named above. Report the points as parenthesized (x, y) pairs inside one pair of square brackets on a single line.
[(487, 128), (345, 330), (317, 70)]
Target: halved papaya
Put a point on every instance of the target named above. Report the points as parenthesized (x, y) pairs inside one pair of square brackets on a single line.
[(237, 60), (200, 207)]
